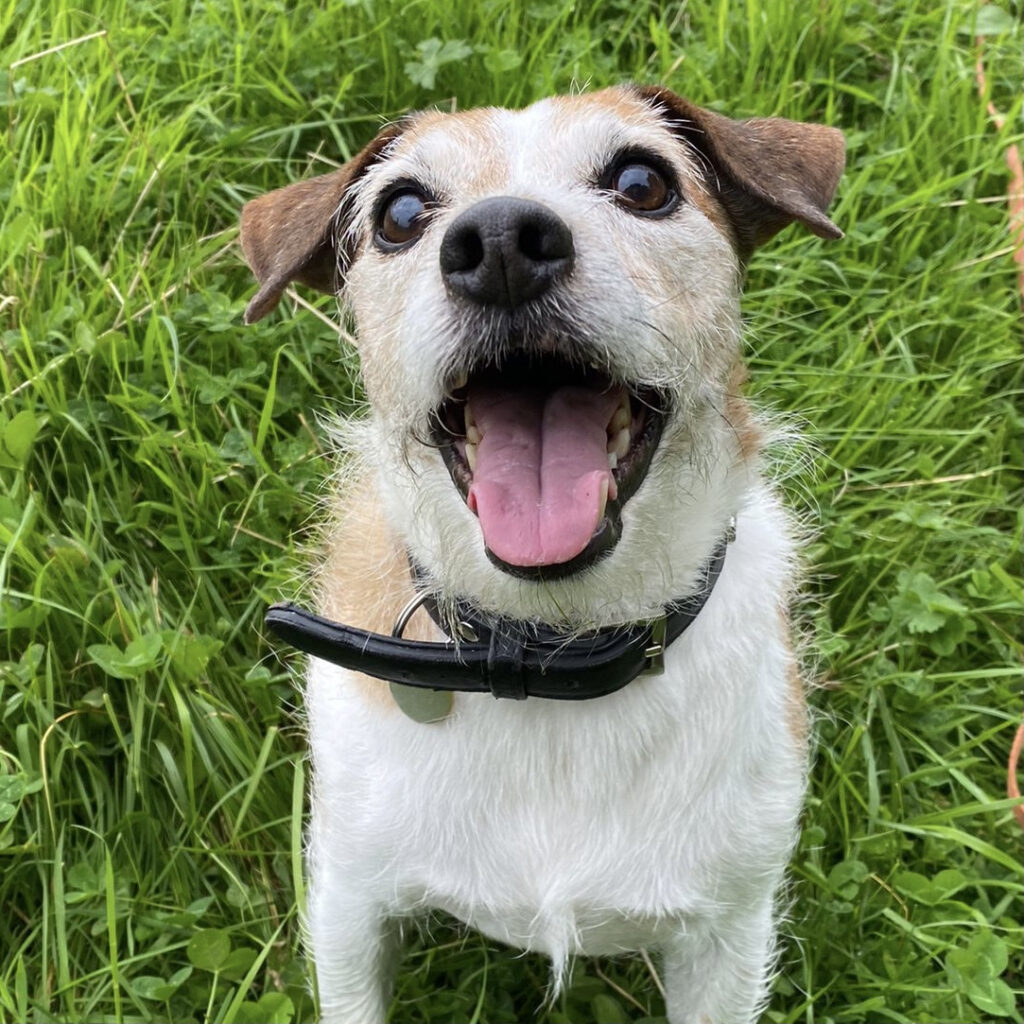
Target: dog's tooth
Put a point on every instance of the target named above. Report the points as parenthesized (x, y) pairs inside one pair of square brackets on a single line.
[(603, 503), (613, 460), (619, 444), (471, 454), (621, 417), (472, 433), (470, 418)]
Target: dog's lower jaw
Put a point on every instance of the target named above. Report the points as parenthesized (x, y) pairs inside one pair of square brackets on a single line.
[(670, 527), (658, 817)]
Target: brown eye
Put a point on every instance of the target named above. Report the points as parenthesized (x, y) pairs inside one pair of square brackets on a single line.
[(404, 218), (639, 187)]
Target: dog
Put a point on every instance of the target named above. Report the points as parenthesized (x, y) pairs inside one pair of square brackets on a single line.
[(557, 495)]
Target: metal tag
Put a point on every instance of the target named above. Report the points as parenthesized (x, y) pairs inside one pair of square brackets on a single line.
[(417, 703), (422, 705)]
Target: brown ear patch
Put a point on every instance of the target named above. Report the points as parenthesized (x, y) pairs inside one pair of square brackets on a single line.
[(768, 172), (290, 234)]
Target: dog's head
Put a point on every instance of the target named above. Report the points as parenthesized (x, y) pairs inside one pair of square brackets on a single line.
[(547, 310)]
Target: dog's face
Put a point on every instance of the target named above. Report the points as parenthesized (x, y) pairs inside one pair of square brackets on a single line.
[(547, 308)]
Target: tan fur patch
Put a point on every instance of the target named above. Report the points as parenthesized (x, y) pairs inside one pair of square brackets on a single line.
[(712, 209), (749, 434), (621, 102), (796, 695), (365, 580), (796, 719), (468, 131)]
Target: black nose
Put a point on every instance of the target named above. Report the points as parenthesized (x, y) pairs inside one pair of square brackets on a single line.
[(505, 251)]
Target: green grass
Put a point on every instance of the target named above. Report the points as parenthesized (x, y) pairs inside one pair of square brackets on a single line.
[(158, 464)]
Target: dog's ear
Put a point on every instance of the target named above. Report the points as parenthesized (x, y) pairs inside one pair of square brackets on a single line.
[(291, 234), (768, 172)]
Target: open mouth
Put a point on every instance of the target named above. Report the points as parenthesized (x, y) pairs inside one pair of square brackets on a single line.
[(546, 453)]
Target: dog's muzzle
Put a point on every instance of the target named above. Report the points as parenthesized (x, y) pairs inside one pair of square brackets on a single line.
[(544, 446)]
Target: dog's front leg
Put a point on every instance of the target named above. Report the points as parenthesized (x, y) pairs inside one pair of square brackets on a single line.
[(718, 973), (355, 944)]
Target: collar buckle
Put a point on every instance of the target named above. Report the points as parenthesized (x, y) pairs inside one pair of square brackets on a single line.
[(654, 652)]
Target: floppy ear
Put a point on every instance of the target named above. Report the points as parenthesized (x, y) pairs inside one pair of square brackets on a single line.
[(769, 171), (291, 234)]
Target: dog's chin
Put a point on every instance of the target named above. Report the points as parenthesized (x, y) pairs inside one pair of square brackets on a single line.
[(547, 453)]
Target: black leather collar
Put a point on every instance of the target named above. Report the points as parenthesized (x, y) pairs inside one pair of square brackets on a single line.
[(507, 658)]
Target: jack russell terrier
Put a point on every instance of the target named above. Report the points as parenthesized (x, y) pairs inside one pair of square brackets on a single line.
[(556, 500)]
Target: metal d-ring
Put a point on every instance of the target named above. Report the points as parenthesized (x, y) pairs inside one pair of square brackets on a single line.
[(406, 614), (464, 629)]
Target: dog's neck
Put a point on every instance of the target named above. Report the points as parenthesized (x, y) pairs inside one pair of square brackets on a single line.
[(490, 654)]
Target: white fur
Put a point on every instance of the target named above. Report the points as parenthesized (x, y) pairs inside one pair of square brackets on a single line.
[(658, 817)]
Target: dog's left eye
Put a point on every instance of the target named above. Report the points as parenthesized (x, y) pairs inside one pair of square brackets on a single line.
[(403, 219), (642, 188)]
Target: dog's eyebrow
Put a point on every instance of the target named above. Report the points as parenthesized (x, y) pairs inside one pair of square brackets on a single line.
[(678, 161), (632, 149)]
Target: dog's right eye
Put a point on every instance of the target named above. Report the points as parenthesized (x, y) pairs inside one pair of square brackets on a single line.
[(642, 189), (641, 183), (403, 219)]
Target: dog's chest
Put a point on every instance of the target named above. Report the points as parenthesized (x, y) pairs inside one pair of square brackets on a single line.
[(562, 827), (558, 840)]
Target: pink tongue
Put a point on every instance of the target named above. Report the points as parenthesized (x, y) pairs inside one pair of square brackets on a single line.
[(541, 470)]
